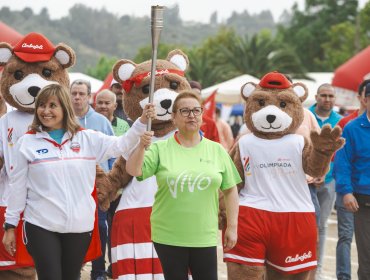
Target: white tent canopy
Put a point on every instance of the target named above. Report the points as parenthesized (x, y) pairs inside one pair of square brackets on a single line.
[(95, 83), (228, 92)]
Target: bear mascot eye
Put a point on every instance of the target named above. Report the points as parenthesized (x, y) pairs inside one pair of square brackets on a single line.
[(174, 85), (18, 75), (145, 89), (282, 104), (46, 72), (261, 102)]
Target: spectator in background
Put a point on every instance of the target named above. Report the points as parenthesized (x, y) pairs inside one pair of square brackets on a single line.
[(352, 173), (235, 127), (345, 217), (117, 89), (324, 114), (224, 131), (80, 94), (208, 126), (106, 105)]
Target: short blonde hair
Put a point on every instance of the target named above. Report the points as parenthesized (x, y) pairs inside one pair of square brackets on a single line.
[(185, 94), (109, 93), (70, 122)]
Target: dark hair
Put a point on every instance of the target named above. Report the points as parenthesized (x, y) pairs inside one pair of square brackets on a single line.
[(195, 84), (70, 123), (218, 110), (185, 94), (362, 86), (82, 82), (325, 85)]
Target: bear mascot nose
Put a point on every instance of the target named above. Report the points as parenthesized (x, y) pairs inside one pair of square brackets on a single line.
[(166, 104), (270, 118), (34, 91)]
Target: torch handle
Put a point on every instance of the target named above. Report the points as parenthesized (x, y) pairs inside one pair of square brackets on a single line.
[(156, 28)]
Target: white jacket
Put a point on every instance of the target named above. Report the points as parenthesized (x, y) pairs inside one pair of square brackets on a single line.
[(53, 183), (13, 125)]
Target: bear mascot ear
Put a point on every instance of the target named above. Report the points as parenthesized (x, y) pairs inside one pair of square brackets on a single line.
[(65, 55), (123, 69), (6, 52), (178, 58), (300, 90), (247, 90)]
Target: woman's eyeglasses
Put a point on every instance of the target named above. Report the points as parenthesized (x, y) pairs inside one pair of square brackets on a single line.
[(185, 112)]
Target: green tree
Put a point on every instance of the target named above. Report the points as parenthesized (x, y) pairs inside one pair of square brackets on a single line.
[(363, 26), (260, 54), (203, 68), (309, 30), (101, 70), (145, 53), (339, 47)]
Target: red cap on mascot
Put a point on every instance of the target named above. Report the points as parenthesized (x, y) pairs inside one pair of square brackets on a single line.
[(275, 80), (34, 47)]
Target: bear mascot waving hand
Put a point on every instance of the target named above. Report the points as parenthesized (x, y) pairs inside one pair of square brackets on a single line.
[(276, 225)]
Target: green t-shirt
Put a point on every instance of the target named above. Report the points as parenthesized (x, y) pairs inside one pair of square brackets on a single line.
[(185, 211), (120, 126)]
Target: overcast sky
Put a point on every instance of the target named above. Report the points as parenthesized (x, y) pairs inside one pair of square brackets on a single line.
[(196, 10)]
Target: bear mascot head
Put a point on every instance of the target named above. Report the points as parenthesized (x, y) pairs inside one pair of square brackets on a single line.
[(135, 79), (31, 65)]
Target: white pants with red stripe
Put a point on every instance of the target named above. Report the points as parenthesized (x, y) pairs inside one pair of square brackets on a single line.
[(133, 253)]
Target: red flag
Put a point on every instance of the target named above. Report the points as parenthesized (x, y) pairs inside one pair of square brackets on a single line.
[(209, 106)]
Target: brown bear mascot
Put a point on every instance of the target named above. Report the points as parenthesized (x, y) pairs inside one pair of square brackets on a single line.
[(132, 250), (276, 224)]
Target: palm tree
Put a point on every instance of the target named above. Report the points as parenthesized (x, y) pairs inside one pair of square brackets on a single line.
[(259, 55), (202, 67)]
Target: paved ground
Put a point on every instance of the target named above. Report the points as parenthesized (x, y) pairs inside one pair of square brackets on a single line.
[(329, 261)]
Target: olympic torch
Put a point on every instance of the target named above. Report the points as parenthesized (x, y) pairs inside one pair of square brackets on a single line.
[(156, 28)]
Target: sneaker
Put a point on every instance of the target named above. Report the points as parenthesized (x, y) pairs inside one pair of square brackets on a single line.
[(101, 278), (109, 272)]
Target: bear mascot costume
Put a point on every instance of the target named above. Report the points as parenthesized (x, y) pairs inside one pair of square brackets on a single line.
[(133, 254), (28, 67), (276, 225)]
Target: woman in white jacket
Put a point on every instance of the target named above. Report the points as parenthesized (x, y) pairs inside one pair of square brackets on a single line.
[(53, 181)]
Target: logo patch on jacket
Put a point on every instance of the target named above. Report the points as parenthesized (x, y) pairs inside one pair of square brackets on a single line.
[(75, 147), (10, 136), (42, 151)]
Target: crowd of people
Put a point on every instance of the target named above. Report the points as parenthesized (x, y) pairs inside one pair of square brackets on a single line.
[(58, 208)]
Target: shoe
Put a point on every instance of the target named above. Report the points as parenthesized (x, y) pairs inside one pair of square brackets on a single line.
[(101, 278), (109, 272)]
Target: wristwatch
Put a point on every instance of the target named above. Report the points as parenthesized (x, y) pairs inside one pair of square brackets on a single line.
[(7, 226)]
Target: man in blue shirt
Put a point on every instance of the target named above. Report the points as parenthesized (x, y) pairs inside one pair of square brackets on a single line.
[(345, 218), (88, 118), (324, 191), (352, 173)]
